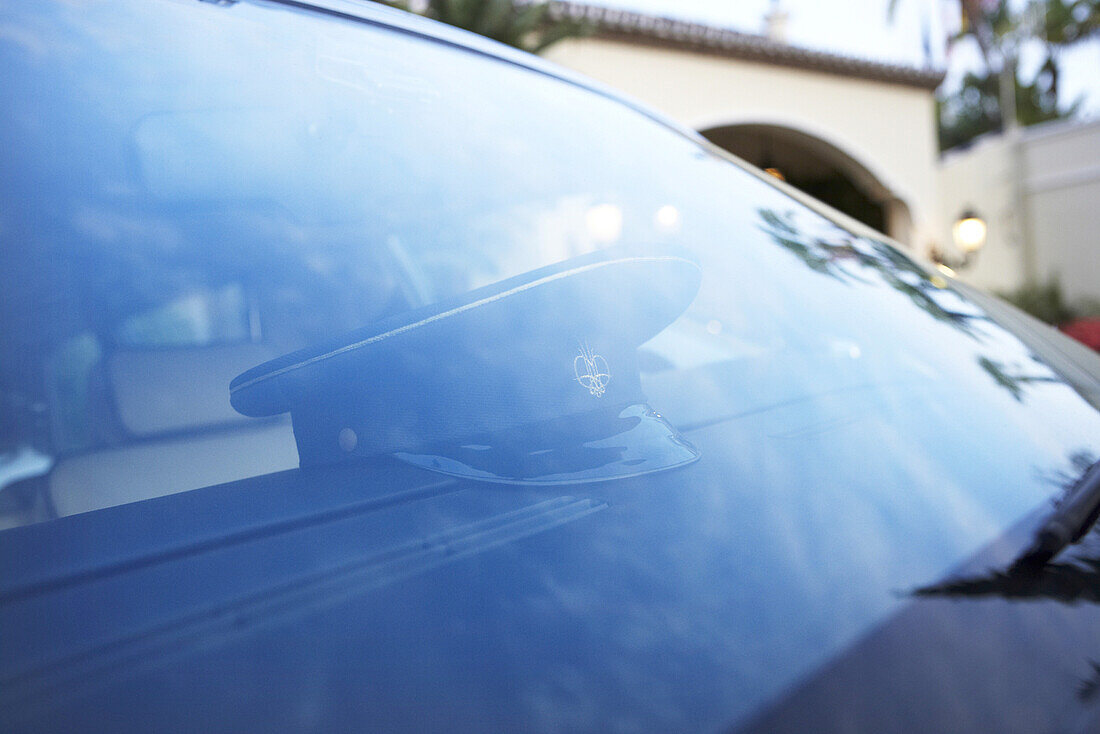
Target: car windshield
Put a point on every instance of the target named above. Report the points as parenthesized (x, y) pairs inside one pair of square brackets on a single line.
[(182, 206), (193, 189)]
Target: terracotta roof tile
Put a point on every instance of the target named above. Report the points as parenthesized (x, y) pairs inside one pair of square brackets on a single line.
[(640, 28)]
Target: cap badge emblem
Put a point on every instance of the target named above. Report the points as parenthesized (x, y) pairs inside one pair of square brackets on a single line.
[(592, 371)]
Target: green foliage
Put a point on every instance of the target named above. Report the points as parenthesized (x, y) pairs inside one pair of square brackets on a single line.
[(1066, 23), (528, 26), (850, 259), (1000, 28), (975, 109), (1044, 301)]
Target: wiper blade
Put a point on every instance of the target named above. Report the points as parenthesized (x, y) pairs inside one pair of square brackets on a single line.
[(1074, 516)]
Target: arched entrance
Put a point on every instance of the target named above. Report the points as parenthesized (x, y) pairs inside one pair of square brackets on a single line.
[(821, 170)]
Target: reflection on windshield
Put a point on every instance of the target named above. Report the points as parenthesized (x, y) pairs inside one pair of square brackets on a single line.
[(1005, 376), (1074, 578), (1090, 686), (1074, 581), (846, 257), (839, 254)]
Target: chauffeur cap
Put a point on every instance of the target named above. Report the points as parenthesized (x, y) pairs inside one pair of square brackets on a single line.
[(533, 379)]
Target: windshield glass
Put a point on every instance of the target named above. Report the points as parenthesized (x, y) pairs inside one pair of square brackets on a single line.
[(187, 198)]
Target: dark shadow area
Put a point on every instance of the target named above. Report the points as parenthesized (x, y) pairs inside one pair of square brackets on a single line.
[(807, 164)]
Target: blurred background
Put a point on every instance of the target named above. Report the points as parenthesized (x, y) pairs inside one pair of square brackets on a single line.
[(967, 130)]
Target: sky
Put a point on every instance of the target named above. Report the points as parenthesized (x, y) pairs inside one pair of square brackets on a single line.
[(861, 28)]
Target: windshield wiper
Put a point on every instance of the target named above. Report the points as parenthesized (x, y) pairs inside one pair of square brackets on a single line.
[(1068, 524)]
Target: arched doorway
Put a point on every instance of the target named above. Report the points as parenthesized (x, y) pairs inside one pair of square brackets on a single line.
[(821, 170)]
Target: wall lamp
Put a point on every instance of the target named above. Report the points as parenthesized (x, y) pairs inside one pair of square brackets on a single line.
[(968, 232)]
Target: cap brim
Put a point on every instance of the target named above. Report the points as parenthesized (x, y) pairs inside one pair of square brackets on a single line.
[(610, 444), (609, 299)]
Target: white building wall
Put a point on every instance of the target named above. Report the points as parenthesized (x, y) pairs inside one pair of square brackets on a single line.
[(888, 128), (1039, 191), (1062, 174), (983, 179)]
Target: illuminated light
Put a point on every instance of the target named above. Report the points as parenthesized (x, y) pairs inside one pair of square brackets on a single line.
[(855, 352), (714, 327), (938, 281), (945, 270), (969, 232), (667, 218), (775, 172), (604, 222)]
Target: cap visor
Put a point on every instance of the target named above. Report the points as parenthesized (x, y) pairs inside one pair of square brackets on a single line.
[(612, 443)]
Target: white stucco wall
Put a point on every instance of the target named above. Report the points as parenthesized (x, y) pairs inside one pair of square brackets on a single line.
[(888, 128), (1062, 175), (1040, 193), (983, 179)]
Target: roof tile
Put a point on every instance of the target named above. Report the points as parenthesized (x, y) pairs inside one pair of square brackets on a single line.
[(641, 28)]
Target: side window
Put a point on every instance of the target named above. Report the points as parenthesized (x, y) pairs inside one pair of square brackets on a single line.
[(82, 400), (202, 317)]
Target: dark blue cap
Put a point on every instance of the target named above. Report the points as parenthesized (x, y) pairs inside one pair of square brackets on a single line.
[(533, 379)]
